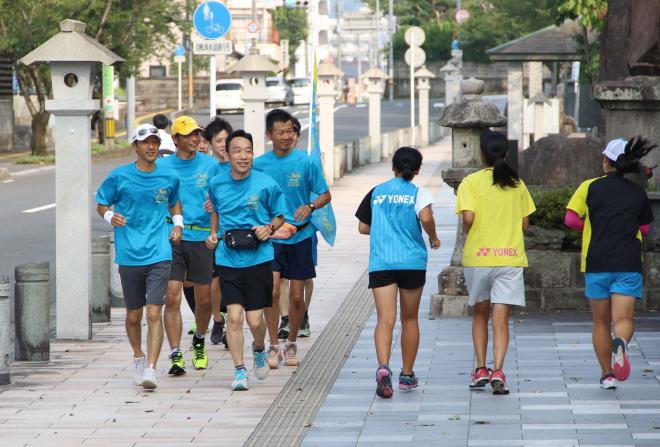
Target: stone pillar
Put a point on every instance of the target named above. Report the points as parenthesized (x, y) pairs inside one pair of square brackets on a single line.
[(468, 119), (423, 76), (327, 94), (100, 304), (535, 77), (515, 101), (116, 292), (5, 332), (374, 78), (32, 312), (452, 76)]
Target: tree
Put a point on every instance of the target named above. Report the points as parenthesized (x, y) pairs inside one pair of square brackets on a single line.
[(437, 44), (495, 22), (134, 29), (291, 23), (411, 12)]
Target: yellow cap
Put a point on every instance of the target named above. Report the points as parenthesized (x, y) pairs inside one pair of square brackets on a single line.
[(184, 125)]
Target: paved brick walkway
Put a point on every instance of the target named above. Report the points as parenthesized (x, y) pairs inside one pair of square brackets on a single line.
[(85, 396)]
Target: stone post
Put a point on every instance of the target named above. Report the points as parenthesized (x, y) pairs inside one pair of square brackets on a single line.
[(327, 94), (374, 78), (116, 292), (32, 312), (452, 76), (423, 76), (515, 101), (253, 69), (5, 332), (101, 280), (72, 56), (535, 78), (467, 119), (539, 102)]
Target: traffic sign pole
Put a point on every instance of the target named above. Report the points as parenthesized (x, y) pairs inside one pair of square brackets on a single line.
[(178, 90), (412, 89), (212, 69)]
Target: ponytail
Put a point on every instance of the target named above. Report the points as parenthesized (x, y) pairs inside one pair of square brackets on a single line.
[(407, 161), (494, 147), (635, 150)]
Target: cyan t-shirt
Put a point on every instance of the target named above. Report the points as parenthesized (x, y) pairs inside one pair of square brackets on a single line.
[(195, 176), (143, 199), (299, 177), (243, 204)]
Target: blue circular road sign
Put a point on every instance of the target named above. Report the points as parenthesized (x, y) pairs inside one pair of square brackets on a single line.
[(212, 19), (179, 51)]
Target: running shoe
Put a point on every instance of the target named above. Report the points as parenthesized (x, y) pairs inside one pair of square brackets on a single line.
[(224, 339), (304, 330), (149, 379), (260, 367), (283, 332), (479, 377), (200, 358), (192, 329), (240, 382), (217, 331), (498, 382), (291, 354), (408, 382), (275, 357), (384, 382), (608, 382), (177, 364), (138, 370), (620, 355)]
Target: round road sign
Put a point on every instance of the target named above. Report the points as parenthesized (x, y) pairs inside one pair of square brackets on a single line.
[(417, 53), (253, 28), (415, 36), (212, 19), (462, 16)]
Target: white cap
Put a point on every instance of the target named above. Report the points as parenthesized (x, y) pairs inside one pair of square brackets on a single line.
[(615, 148), (144, 131)]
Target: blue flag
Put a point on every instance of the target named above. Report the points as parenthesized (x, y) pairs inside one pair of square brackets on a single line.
[(323, 219)]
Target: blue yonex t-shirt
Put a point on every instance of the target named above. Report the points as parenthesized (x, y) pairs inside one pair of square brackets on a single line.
[(298, 177), (143, 199), (243, 204), (195, 176), (392, 209)]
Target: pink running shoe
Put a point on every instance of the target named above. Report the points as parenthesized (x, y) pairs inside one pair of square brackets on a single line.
[(621, 363), (384, 382), (479, 377), (498, 382)]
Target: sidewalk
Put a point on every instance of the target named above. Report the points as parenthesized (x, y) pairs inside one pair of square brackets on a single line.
[(85, 396)]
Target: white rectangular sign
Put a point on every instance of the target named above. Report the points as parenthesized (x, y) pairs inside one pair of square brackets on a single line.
[(212, 47)]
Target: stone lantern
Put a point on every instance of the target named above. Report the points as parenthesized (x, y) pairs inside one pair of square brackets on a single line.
[(452, 76), (424, 76), (467, 119), (253, 69), (327, 92), (374, 78), (72, 56)]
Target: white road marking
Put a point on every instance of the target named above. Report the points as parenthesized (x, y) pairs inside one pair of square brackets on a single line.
[(8, 181), (39, 208)]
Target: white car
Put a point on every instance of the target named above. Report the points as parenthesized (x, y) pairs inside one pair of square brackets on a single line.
[(278, 92), (229, 95), (302, 90)]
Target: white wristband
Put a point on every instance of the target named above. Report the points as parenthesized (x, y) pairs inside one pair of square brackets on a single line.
[(177, 220), (108, 216)]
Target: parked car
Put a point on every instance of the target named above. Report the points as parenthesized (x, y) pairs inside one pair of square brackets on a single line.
[(302, 90), (229, 95), (278, 92)]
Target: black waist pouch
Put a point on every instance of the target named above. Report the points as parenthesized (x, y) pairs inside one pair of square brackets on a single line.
[(240, 239)]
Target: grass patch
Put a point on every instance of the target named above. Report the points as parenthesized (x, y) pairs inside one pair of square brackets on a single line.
[(100, 149), (36, 160)]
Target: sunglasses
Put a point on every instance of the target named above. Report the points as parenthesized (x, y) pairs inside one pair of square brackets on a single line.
[(148, 130)]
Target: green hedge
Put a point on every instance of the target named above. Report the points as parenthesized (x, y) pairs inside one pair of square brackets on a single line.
[(550, 212)]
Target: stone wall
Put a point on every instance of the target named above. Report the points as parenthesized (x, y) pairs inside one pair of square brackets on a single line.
[(161, 93)]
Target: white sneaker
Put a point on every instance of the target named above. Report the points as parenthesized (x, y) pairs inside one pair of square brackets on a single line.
[(259, 367), (138, 370), (149, 379), (608, 382)]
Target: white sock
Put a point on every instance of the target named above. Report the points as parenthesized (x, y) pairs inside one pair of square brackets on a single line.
[(175, 350)]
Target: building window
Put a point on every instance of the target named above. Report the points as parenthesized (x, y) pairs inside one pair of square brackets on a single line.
[(157, 71)]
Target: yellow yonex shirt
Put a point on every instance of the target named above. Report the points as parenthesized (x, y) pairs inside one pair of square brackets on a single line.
[(496, 236)]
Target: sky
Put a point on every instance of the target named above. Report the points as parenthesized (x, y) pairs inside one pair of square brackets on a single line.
[(347, 5)]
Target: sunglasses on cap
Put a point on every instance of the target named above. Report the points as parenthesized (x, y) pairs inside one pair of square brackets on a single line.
[(147, 130)]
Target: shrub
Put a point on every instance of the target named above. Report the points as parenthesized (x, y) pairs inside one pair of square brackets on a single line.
[(550, 212)]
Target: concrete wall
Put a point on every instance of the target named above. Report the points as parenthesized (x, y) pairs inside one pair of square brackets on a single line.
[(161, 93)]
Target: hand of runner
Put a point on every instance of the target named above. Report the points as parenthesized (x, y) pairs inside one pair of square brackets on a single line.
[(212, 241), (302, 212), (118, 220), (262, 232), (175, 235), (207, 205), (435, 243)]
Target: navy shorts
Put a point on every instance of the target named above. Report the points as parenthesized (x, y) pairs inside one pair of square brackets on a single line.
[(405, 279), (294, 261)]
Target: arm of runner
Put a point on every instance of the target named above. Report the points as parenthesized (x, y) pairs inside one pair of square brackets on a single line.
[(304, 210), (428, 223), (525, 223), (175, 234), (264, 232), (364, 228), (468, 220), (208, 207), (114, 219), (212, 240), (363, 214), (573, 221)]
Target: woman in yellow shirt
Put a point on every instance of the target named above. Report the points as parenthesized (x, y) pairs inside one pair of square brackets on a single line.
[(495, 206)]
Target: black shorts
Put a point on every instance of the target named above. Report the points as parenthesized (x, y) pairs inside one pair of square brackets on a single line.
[(192, 261), (405, 279), (251, 287), (144, 284), (294, 261)]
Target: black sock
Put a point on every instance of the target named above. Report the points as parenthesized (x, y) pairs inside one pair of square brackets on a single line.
[(262, 349), (197, 339), (240, 367), (189, 293)]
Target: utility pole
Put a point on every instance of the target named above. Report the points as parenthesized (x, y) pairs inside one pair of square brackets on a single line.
[(190, 59), (338, 6), (391, 51), (254, 19), (377, 47)]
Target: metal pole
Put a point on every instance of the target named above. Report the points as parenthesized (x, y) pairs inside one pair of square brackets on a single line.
[(391, 51), (412, 89), (190, 60), (5, 332), (130, 107), (32, 312), (179, 86), (212, 70), (377, 48), (338, 10)]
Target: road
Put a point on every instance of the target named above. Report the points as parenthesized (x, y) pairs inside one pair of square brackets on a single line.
[(27, 202)]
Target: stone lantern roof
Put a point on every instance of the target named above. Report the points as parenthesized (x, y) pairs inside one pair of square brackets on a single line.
[(374, 72), (71, 44), (472, 111), (424, 72), (253, 62), (328, 69)]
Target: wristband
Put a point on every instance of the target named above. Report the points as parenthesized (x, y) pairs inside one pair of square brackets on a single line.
[(177, 220), (108, 216)]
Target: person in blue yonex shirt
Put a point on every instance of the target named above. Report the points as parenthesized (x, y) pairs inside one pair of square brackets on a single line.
[(251, 201), (191, 260), (298, 177), (393, 214), (141, 194)]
